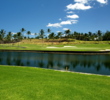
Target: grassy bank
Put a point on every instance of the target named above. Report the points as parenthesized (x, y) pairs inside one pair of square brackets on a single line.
[(24, 83), (75, 45)]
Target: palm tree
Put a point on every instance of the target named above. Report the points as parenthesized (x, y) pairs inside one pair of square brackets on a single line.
[(67, 33), (94, 36), (41, 35), (90, 35), (51, 36), (9, 37), (15, 36), (85, 36), (28, 33), (99, 33), (35, 34), (22, 30), (59, 35), (19, 36), (0, 38), (75, 35), (2, 34), (48, 30), (106, 36)]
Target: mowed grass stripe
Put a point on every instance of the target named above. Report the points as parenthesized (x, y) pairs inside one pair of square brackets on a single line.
[(26, 83), (36, 44)]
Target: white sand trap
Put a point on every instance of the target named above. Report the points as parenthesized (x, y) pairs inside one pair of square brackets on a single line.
[(52, 47), (107, 49), (69, 46), (62, 47)]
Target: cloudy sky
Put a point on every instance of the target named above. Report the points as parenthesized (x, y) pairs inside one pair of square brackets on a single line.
[(58, 15)]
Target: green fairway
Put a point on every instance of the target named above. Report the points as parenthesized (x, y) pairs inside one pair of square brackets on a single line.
[(26, 83), (58, 47)]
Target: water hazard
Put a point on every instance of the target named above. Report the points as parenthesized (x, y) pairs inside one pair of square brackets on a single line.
[(97, 64)]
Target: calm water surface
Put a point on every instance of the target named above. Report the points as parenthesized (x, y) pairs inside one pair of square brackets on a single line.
[(97, 64)]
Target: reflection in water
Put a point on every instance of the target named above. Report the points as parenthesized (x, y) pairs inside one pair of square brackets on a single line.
[(66, 67), (98, 64), (50, 64), (98, 67), (41, 64)]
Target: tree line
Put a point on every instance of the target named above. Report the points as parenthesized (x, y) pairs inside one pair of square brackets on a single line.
[(9, 37)]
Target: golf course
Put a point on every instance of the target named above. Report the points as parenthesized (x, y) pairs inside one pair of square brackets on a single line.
[(54, 49), (29, 83)]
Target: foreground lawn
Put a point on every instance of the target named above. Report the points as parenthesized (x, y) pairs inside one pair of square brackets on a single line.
[(26, 83)]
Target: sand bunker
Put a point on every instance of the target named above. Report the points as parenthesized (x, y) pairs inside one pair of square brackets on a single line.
[(68, 46), (62, 47), (105, 50), (52, 47)]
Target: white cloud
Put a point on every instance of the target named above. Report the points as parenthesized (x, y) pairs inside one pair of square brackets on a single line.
[(81, 1), (102, 1), (36, 33), (70, 12), (65, 29), (58, 31), (68, 22), (73, 16), (78, 6), (13, 33), (54, 25), (74, 21), (32, 33)]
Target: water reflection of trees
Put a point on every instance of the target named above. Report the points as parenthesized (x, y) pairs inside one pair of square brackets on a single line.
[(66, 62), (41, 64), (98, 67), (59, 64), (0, 60), (27, 63), (74, 64), (8, 61), (50, 64), (66, 67), (107, 64)]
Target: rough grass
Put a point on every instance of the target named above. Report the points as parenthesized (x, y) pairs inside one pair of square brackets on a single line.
[(24, 83), (37, 44)]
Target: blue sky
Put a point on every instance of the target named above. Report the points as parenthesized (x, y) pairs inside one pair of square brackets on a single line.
[(58, 15)]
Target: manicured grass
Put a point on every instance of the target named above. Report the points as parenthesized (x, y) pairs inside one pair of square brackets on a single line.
[(78, 46), (26, 83)]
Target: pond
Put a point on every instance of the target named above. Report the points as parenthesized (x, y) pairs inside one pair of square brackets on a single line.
[(96, 64)]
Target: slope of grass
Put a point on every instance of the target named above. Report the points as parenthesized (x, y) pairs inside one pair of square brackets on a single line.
[(24, 83), (37, 45)]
